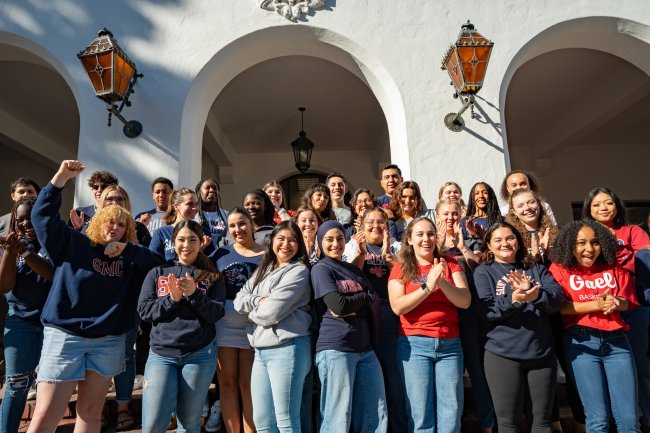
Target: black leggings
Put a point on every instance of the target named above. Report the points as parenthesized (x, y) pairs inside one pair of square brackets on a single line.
[(507, 379)]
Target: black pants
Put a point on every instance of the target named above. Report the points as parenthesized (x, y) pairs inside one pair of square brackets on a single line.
[(507, 379)]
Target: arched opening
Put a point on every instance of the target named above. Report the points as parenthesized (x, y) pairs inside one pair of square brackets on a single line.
[(576, 113), (39, 118), (248, 97)]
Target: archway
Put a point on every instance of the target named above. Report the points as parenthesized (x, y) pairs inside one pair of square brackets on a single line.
[(574, 103), (282, 44), (39, 118)]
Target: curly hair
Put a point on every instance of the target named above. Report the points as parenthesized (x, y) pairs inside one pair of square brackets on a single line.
[(492, 210), (564, 248), (327, 213), (543, 220), (24, 181), (619, 220), (396, 203), (533, 183), (104, 177), (110, 214), (202, 262), (406, 255), (521, 256)]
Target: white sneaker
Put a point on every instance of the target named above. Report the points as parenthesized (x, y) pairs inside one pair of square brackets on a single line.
[(138, 382), (213, 424), (31, 395)]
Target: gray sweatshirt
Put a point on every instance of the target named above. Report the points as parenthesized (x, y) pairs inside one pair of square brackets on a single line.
[(285, 313)]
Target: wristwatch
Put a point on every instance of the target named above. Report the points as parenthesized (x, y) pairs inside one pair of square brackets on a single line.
[(516, 304), (424, 287)]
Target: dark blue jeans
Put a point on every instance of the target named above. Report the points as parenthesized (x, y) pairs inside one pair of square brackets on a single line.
[(23, 341)]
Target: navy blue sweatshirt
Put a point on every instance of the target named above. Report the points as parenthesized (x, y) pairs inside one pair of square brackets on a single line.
[(179, 327), (28, 296), (522, 333), (92, 295)]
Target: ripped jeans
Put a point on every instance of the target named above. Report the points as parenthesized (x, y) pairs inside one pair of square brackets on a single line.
[(23, 341)]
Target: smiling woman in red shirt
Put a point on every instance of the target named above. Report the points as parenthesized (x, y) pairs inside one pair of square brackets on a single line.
[(597, 351)]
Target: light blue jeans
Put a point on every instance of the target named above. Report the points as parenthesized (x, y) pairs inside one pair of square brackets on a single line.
[(22, 341), (432, 369), (603, 367), (637, 336), (352, 392), (277, 381), (177, 384), (124, 380)]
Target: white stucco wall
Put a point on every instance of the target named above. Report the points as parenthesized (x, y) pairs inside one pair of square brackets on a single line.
[(182, 47)]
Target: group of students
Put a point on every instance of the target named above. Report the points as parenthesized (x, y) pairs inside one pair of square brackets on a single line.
[(381, 306)]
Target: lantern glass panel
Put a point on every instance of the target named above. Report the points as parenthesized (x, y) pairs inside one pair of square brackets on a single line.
[(100, 71), (123, 74)]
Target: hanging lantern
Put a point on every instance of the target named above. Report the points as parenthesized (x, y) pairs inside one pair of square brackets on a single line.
[(302, 146)]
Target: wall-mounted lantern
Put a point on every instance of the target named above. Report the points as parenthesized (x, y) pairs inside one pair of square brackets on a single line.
[(466, 61), (113, 75)]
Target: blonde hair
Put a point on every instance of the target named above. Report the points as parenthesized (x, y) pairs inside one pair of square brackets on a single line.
[(446, 201), (111, 188), (109, 214)]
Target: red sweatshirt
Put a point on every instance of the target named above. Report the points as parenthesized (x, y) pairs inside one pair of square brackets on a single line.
[(629, 240), (585, 284)]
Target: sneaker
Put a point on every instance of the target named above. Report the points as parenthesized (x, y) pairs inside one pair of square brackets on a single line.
[(138, 382), (213, 424)]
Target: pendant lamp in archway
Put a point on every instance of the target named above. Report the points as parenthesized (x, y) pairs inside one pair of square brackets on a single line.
[(302, 146)]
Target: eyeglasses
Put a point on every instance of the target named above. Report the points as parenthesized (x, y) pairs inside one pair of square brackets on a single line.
[(364, 201), (115, 200), (99, 186)]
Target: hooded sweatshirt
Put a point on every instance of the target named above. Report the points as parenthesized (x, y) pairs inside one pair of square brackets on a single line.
[(92, 295)]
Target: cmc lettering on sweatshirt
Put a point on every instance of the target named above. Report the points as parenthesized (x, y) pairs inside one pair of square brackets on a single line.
[(607, 281), (109, 269)]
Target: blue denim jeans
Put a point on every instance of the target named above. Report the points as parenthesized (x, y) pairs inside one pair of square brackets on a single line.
[(177, 384), (277, 381), (124, 380), (352, 392), (471, 337), (22, 341), (432, 369), (393, 383), (603, 368), (637, 336)]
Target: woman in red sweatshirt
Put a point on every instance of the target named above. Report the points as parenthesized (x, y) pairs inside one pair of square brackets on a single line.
[(597, 351)]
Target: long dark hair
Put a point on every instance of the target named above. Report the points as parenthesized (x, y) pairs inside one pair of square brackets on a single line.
[(406, 254), (562, 251), (492, 210), (521, 257), (327, 213), (175, 199), (269, 261), (620, 218), (202, 262), (269, 209)]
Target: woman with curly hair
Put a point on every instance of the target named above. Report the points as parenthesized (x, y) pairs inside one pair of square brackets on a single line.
[(528, 216), (407, 203), (25, 279), (522, 179), (517, 298), (318, 198), (482, 212), (598, 353), (87, 311)]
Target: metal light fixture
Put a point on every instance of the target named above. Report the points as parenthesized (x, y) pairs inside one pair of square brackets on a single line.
[(113, 75), (302, 146), (466, 62)]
